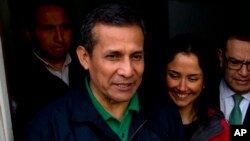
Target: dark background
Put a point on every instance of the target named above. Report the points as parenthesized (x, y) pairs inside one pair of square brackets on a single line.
[(164, 19)]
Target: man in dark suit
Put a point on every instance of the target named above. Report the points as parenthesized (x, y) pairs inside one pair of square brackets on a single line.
[(234, 86), (49, 68)]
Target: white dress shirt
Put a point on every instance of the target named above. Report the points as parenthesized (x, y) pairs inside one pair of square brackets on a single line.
[(63, 74), (227, 102)]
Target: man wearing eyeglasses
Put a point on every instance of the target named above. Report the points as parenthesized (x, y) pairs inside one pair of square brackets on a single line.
[(234, 87)]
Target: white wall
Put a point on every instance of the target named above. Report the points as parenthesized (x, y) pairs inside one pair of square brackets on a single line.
[(5, 118)]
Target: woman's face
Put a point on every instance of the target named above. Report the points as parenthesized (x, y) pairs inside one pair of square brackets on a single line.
[(185, 79)]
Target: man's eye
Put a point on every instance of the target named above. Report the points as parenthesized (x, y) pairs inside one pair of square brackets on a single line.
[(137, 57), (112, 57), (233, 61), (66, 26), (48, 28)]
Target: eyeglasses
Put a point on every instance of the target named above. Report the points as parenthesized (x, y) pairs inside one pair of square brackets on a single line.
[(235, 64)]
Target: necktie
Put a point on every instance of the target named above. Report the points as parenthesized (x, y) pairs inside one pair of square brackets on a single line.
[(236, 116)]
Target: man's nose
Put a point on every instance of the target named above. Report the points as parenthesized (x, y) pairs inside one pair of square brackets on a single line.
[(59, 35), (126, 68), (244, 70)]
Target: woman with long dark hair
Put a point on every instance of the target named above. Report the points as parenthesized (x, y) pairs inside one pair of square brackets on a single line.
[(186, 77)]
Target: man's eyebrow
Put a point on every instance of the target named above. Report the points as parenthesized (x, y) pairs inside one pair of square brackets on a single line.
[(114, 52), (248, 61)]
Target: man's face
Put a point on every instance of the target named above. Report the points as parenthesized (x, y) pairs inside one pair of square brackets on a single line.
[(117, 62), (237, 79), (53, 33)]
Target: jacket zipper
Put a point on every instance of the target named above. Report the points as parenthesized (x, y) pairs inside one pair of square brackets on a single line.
[(137, 130)]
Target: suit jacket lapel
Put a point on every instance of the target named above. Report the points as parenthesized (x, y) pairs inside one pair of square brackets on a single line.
[(247, 117)]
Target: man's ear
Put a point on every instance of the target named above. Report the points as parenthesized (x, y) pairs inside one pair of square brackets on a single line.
[(220, 56), (83, 56)]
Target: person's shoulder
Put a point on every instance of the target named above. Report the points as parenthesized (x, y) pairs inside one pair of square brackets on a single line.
[(164, 117), (61, 107), (215, 112), (217, 119), (53, 119), (163, 108), (164, 102)]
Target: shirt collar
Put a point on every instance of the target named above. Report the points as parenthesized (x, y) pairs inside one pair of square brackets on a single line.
[(133, 105), (226, 92), (67, 61)]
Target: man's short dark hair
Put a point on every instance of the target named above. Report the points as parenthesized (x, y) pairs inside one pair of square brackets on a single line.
[(109, 14), (30, 11), (239, 31)]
